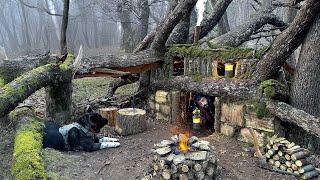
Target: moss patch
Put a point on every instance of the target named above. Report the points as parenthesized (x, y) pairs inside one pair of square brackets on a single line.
[(260, 108), (217, 53), (67, 63), (27, 159), (267, 88)]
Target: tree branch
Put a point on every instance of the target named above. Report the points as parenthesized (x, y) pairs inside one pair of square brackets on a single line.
[(286, 42)]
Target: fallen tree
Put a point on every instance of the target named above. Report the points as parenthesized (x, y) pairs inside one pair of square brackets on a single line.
[(22, 87), (10, 69), (27, 160)]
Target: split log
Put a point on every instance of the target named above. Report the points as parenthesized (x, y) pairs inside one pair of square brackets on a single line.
[(110, 114), (130, 121), (310, 174), (306, 168), (166, 174), (300, 155), (27, 160), (22, 87), (301, 162)]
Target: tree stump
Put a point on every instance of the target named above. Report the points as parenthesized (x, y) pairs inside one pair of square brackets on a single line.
[(109, 113), (130, 121)]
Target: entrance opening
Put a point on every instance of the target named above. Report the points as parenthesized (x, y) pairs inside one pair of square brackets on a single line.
[(197, 113)]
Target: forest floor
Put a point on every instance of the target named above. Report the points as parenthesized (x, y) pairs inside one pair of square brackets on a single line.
[(131, 159)]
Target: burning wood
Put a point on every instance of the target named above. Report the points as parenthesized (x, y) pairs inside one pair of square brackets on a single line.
[(289, 158), (182, 158)]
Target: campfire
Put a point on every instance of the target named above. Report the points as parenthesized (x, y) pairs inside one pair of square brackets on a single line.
[(182, 157)]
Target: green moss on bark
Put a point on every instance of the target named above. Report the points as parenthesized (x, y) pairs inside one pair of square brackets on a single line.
[(267, 88), (67, 63), (27, 159)]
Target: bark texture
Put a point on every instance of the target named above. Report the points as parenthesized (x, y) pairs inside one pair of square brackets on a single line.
[(305, 88), (242, 33), (209, 87), (279, 51), (305, 93), (64, 25), (161, 37), (296, 116)]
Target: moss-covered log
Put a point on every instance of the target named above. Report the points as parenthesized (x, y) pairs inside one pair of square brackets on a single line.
[(22, 87), (10, 69), (27, 160)]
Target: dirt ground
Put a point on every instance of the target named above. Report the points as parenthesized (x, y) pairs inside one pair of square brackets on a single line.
[(131, 159)]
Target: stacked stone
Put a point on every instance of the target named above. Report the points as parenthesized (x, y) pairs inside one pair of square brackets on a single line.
[(164, 105), (236, 120), (199, 162), (288, 157)]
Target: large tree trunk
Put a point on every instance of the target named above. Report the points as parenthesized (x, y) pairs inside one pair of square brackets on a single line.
[(126, 28), (305, 88), (286, 42), (305, 93), (64, 25), (144, 18)]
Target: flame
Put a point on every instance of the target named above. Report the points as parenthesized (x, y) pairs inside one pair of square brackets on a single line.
[(183, 142)]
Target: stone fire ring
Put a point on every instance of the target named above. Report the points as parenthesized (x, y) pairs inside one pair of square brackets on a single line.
[(199, 162)]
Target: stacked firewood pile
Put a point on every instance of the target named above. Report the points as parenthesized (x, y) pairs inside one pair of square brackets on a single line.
[(290, 158), (182, 158)]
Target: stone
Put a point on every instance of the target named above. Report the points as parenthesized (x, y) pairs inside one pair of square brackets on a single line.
[(167, 142), (264, 124), (170, 157), (175, 138), (197, 156), (162, 117), (165, 109), (245, 136), (157, 107), (227, 130), (163, 151), (151, 104), (161, 97), (233, 114), (202, 145), (193, 139), (179, 159)]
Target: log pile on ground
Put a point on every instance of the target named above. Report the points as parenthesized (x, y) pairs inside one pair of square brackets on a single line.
[(182, 158), (291, 158)]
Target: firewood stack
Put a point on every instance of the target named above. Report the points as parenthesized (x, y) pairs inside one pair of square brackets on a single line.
[(198, 161), (291, 158)]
